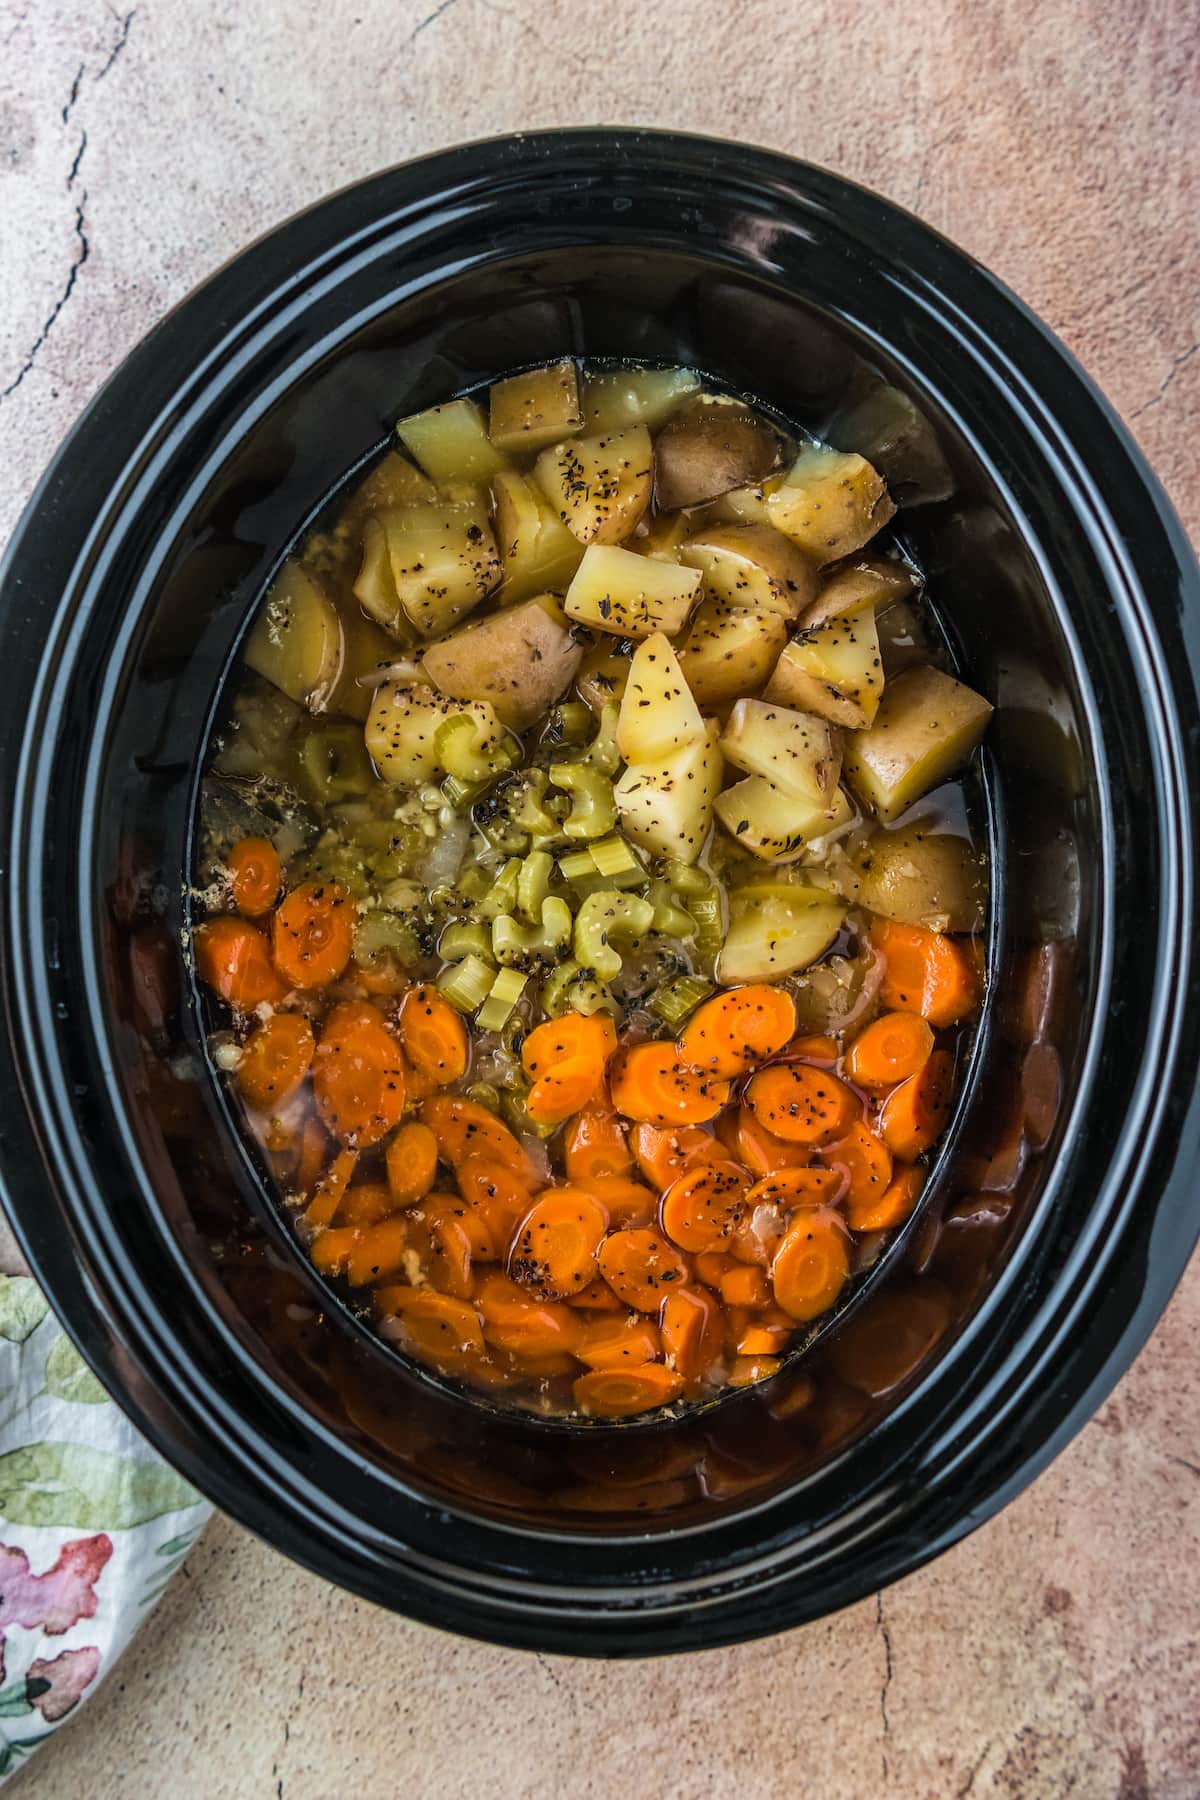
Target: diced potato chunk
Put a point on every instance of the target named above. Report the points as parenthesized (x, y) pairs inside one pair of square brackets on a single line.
[(658, 714), (875, 581), (402, 728), (444, 562), (730, 651), (776, 825), (539, 555), (708, 447), (630, 596), (661, 536), (635, 397), (921, 877), (521, 660), (829, 503), (796, 751), (835, 670), (754, 566), (903, 639), (541, 407), (297, 641), (451, 443), (604, 671), (375, 585), (666, 806), (926, 728), (599, 486), (747, 505), (775, 929), (392, 482)]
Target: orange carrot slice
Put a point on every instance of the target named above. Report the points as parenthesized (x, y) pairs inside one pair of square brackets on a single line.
[(358, 1075), (464, 1129), (800, 1103), (926, 973), (276, 1060), (893, 1207), (797, 1187), (865, 1162), (691, 1333), (661, 1155), (596, 1146), (411, 1163), (607, 1343), (234, 959), (812, 1265), (641, 1267), (433, 1036), (554, 1250), (254, 876), (313, 933), (702, 1209), (738, 1029), (619, 1393), (892, 1048), (651, 1085), (914, 1115)]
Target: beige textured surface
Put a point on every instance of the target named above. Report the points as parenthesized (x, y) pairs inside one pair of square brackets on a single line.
[(1057, 1651)]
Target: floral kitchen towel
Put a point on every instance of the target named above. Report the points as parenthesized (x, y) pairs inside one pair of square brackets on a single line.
[(92, 1525)]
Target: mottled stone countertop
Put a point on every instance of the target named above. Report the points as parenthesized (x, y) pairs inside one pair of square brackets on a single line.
[(1058, 1650)]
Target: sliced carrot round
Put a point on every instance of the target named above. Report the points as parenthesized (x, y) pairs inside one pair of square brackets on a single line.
[(892, 1207), (744, 1371), (464, 1129), (816, 1047), (313, 933), (327, 1196), (367, 1203), (702, 1209), (691, 1333), (276, 1059), (914, 1115), (619, 1393), (437, 1324), (812, 1265), (925, 972), (892, 1048), (597, 1296), (661, 1154), (358, 1075), (433, 1035), (574, 1034), (596, 1145), (314, 1149), (411, 1162), (234, 960), (764, 1340), (624, 1343), (514, 1320), (626, 1202), (800, 1103), (563, 1089), (641, 1267), (738, 1029), (379, 1252), (651, 1084), (554, 1250), (710, 1267), (745, 1284), (866, 1163), (761, 1151), (254, 876), (797, 1187)]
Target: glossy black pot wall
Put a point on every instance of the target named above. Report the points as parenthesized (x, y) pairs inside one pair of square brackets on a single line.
[(1072, 598)]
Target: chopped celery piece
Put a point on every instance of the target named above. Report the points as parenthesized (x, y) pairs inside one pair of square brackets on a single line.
[(506, 990), (463, 794), (332, 764), (604, 917), (593, 809), (618, 861), (685, 878), (572, 989), (670, 918), (513, 942), (501, 897), (533, 883), (380, 936), (582, 873), (569, 723), (512, 1105), (468, 984), (468, 751), (705, 909), (485, 1093), (602, 752), (678, 999), (531, 814), (460, 940)]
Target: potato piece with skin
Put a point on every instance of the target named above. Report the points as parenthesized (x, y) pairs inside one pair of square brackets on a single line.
[(829, 503), (451, 443), (754, 566), (875, 581), (666, 806), (402, 727), (537, 552), (796, 751), (630, 596), (834, 670), (604, 671), (444, 562), (708, 447), (926, 728), (635, 397), (298, 642), (774, 929), (935, 879), (774, 825), (541, 407), (375, 586), (658, 713), (521, 660), (730, 651), (599, 486)]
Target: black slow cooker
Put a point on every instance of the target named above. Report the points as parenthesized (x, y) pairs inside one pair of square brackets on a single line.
[(1056, 1232)]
